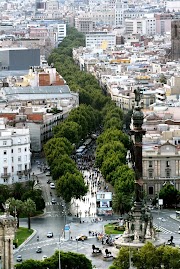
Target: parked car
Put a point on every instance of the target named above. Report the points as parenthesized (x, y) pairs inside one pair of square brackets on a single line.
[(49, 234), (53, 201), (38, 250), (48, 174), (48, 181), (81, 238), (52, 185), (19, 258)]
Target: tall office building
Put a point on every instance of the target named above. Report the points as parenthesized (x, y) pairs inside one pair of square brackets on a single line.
[(120, 7)]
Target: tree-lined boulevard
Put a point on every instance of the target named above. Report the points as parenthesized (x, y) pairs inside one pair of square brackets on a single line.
[(96, 112)]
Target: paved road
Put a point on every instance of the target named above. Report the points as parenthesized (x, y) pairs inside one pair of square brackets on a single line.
[(49, 245), (54, 221)]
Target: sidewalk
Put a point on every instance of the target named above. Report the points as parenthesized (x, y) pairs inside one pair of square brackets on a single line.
[(37, 166), (86, 208), (173, 216)]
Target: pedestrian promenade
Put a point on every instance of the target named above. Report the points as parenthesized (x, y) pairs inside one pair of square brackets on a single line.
[(86, 208)]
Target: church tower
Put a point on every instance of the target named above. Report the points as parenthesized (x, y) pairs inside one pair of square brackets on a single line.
[(8, 226), (175, 39)]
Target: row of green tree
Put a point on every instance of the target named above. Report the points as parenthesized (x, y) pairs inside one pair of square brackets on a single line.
[(148, 257), (112, 145), (90, 93), (58, 151), (68, 260), (111, 152)]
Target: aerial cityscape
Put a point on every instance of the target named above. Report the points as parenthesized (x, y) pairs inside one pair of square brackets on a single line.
[(89, 134)]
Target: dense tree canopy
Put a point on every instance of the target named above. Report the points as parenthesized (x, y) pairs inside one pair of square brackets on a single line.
[(170, 195), (71, 186), (148, 257)]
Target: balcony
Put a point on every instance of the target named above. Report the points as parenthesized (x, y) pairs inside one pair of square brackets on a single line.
[(27, 171), (5, 175), (20, 173)]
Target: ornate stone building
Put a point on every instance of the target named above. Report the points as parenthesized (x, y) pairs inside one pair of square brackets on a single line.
[(7, 233), (161, 165)]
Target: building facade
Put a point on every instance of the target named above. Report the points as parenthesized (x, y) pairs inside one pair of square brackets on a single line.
[(100, 40), (175, 39), (19, 58), (104, 203), (15, 155), (161, 165)]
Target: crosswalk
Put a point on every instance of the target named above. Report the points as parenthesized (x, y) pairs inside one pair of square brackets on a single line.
[(49, 203), (163, 230), (64, 245)]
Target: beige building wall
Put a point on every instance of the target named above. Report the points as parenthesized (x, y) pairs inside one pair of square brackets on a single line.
[(161, 165)]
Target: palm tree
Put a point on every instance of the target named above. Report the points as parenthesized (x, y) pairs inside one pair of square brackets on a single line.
[(17, 190), (29, 209), (15, 208)]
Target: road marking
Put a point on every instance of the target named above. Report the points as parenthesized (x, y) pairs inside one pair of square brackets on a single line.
[(49, 203), (162, 229)]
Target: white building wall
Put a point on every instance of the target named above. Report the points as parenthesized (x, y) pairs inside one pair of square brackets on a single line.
[(120, 7), (98, 40), (15, 155), (61, 34)]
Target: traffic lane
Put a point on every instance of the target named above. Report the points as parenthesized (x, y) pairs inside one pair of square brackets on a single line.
[(163, 219), (43, 225), (50, 246)]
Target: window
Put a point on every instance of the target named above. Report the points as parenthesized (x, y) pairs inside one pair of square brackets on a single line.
[(11, 150), (175, 31), (150, 174), (19, 167), (19, 158), (4, 143), (12, 159), (168, 173), (5, 160), (25, 149), (19, 141), (5, 152), (19, 150), (150, 163), (12, 168), (151, 190), (167, 164)]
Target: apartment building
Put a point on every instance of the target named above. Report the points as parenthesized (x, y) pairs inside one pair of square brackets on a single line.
[(100, 40), (145, 26), (161, 165), (15, 161), (84, 24)]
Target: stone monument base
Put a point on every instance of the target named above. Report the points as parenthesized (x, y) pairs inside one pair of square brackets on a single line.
[(120, 243)]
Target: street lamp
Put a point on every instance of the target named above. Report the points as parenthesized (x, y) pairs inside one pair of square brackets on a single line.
[(77, 206), (80, 213), (64, 213), (59, 252)]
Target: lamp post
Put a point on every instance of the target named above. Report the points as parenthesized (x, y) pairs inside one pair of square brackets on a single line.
[(59, 252), (77, 206), (80, 213), (64, 213)]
